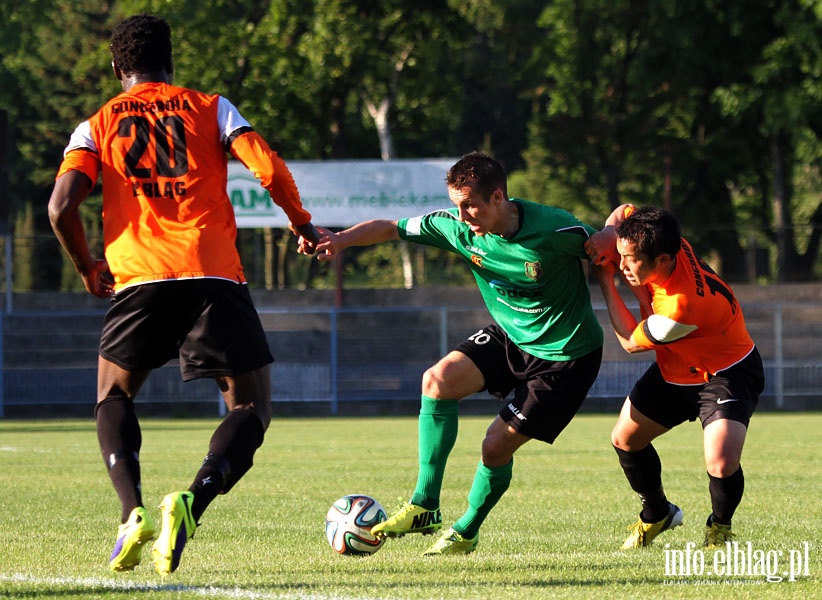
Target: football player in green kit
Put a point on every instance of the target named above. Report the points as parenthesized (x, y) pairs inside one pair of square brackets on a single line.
[(545, 345)]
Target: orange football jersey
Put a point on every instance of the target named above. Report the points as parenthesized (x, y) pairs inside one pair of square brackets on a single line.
[(697, 300), (163, 154)]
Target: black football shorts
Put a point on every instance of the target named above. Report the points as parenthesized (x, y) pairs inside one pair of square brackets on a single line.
[(211, 325), (547, 394), (730, 394)]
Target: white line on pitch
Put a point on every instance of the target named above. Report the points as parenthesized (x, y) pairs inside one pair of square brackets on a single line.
[(205, 591)]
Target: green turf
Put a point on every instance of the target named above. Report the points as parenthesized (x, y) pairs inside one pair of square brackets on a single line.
[(556, 533)]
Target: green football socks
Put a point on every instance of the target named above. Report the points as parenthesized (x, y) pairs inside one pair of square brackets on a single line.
[(438, 424), (490, 483)]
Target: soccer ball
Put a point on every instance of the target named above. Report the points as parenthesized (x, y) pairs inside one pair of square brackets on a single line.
[(348, 525)]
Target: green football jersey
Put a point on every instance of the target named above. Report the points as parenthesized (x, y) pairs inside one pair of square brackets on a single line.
[(533, 283)]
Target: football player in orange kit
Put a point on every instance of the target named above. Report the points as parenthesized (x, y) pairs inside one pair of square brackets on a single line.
[(707, 365), (173, 273)]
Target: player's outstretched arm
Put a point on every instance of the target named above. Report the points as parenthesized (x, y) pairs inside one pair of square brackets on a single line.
[(274, 175), (367, 233)]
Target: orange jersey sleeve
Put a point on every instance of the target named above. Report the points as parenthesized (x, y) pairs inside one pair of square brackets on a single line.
[(253, 151), (86, 162), (703, 318)]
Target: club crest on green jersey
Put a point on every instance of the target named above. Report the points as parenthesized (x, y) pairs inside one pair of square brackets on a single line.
[(533, 270)]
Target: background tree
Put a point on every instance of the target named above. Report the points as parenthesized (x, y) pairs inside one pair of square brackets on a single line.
[(711, 109), (50, 75), (781, 96), (629, 111)]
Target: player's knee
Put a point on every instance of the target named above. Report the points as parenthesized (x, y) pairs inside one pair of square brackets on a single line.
[(497, 447), (620, 440), (493, 453), (628, 437), (722, 466), (433, 382), (627, 442)]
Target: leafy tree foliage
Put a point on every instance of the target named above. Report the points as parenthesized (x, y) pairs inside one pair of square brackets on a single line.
[(781, 98), (713, 109), (50, 76), (659, 103)]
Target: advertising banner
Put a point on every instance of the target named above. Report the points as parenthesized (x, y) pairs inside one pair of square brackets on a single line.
[(341, 193)]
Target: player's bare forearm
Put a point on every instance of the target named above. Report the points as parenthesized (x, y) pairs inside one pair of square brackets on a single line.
[(643, 296), (69, 192), (622, 319), (367, 233)]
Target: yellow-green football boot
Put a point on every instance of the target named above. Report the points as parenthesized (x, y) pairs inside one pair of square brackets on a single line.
[(409, 519), (717, 534), (178, 527), (643, 534), (452, 542), (131, 536)]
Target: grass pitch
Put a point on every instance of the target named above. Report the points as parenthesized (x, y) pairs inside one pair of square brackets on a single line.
[(555, 534)]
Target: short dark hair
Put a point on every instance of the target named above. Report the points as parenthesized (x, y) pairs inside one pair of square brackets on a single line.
[(142, 44), (481, 171), (652, 230)]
